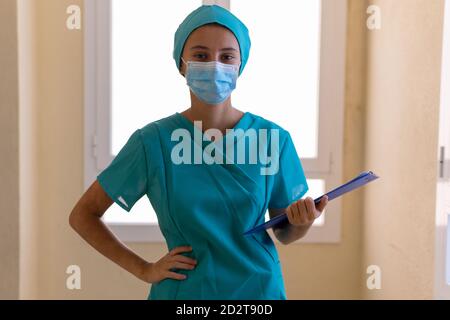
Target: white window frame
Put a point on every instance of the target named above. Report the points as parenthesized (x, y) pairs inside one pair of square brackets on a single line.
[(327, 166)]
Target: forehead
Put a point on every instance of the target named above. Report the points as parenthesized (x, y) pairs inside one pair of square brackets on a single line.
[(212, 36)]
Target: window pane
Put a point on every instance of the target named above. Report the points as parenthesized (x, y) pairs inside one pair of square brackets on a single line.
[(146, 85), (280, 81), (141, 213), (144, 77)]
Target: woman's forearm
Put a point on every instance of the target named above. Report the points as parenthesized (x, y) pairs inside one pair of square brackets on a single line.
[(289, 233), (94, 231)]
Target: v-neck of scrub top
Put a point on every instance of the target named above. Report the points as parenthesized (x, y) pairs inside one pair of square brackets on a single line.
[(243, 123)]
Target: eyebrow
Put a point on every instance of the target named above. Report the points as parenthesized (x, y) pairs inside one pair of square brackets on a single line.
[(206, 48)]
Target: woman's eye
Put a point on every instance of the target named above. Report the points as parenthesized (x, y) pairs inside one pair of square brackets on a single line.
[(200, 55), (228, 57)]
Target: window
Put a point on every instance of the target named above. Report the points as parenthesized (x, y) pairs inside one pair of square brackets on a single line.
[(297, 60)]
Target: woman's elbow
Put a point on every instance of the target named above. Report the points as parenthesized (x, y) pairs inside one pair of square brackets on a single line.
[(78, 217), (285, 241), (74, 219), (91, 206)]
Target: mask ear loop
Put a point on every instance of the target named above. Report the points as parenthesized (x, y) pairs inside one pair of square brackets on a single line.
[(185, 68)]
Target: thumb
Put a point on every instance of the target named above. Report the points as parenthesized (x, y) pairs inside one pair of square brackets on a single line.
[(323, 202)]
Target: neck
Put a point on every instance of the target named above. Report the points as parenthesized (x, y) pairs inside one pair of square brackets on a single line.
[(220, 116)]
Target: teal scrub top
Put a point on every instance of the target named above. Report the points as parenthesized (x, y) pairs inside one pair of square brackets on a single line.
[(210, 206)]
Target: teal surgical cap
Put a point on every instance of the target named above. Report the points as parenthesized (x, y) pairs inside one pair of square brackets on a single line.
[(206, 14)]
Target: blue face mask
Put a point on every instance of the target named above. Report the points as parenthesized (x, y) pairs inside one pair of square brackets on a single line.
[(213, 81)]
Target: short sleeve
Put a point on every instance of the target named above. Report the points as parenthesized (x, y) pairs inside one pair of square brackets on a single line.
[(289, 183), (125, 179)]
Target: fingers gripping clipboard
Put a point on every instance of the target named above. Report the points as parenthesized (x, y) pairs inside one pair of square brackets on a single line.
[(357, 182)]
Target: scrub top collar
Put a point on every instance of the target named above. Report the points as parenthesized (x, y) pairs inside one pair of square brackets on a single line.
[(244, 123)]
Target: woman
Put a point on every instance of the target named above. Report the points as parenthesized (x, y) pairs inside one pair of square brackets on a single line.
[(203, 208)]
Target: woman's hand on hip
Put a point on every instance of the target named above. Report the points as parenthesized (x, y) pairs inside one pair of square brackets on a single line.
[(160, 270), (304, 211)]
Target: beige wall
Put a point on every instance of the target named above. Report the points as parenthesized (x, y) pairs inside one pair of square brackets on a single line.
[(52, 140), (9, 152), (28, 149), (401, 139)]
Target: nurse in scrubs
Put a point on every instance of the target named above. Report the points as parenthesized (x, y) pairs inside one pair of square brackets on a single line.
[(204, 205)]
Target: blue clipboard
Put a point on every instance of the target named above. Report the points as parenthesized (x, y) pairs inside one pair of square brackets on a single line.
[(359, 181)]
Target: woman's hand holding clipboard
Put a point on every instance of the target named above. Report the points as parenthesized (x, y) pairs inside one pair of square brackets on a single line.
[(359, 181)]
